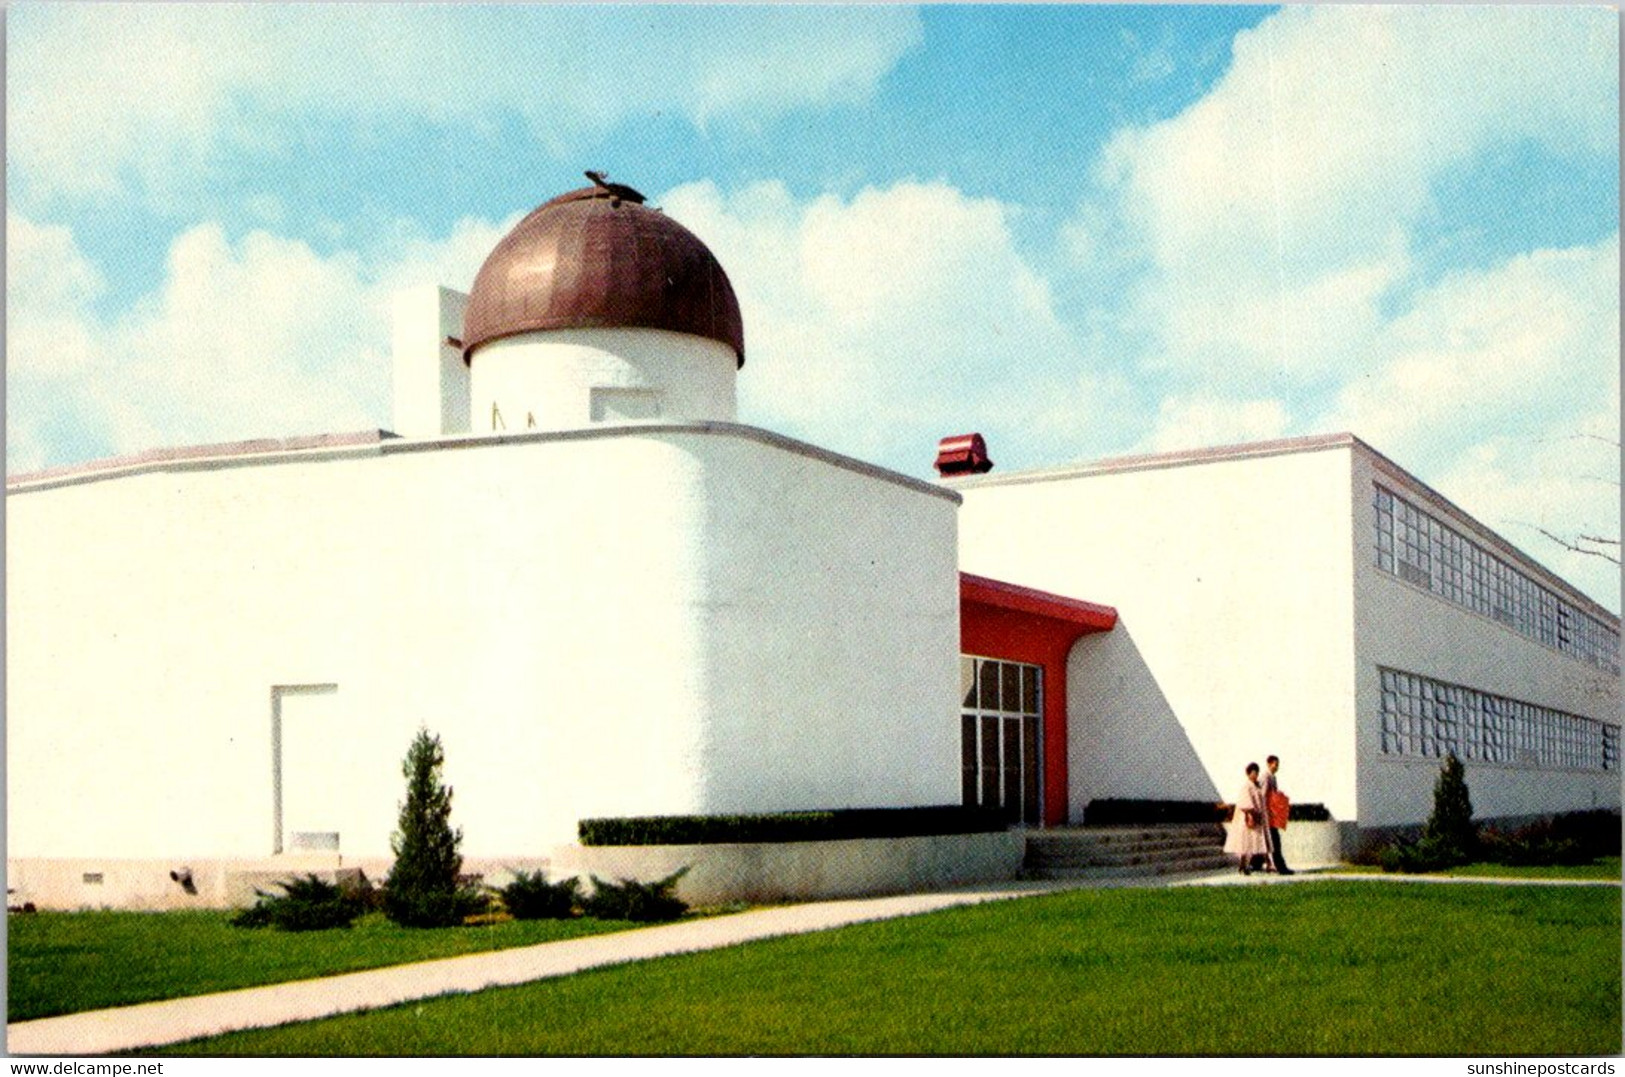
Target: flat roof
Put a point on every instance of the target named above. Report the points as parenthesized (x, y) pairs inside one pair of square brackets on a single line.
[(316, 447)]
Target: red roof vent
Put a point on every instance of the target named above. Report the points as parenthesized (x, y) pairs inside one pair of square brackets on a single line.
[(963, 454)]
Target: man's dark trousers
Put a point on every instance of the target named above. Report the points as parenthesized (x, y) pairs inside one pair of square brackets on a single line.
[(1275, 852)]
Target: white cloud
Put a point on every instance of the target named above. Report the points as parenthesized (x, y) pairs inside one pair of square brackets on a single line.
[(1276, 214), (1530, 346), (100, 95), (1502, 387), (878, 324), (253, 337), (1270, 237), (1200, 422), (51, 286)]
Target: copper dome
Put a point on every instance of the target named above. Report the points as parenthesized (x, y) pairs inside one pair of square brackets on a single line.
[(598, 258)]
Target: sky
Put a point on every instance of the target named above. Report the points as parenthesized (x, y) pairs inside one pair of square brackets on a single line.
[(1080, 230)]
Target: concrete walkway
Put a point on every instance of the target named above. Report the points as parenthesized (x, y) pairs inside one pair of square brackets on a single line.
[(153, 1024)]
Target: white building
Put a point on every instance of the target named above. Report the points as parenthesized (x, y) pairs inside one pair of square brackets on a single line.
[(220, 655), (610, 598), (1310, 599)]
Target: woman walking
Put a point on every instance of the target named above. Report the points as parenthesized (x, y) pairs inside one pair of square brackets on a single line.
[(1248, 839)]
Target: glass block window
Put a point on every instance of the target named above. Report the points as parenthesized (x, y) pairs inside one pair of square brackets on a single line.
[(1429, 719), (1428, 553)]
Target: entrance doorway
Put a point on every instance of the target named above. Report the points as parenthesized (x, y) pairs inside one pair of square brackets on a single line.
[(1001, 737)]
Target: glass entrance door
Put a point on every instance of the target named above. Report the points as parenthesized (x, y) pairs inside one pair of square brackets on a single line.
[(1001, 737)]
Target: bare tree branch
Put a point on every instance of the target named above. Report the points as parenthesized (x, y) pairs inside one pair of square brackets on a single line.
[(1577, 548), (1577, 437)]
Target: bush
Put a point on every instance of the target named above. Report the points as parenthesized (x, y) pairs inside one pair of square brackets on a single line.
[(632, 900), (1450, 835), (1111, 811), (423, 888), (1532, 846), (835, 825), (1414, 858), (1566, 840), (1597, 831), (307, 904), (531, 897)]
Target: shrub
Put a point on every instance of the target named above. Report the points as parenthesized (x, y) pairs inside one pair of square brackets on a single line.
[(1538, 845), (835, 825), (1450, 835), (1563, 841), (531, 897), (423, 888), (307, 904), (1112, 811), (1597, 831), (1416, 857), (632, 900)]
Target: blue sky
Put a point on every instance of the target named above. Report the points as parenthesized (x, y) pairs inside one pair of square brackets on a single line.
[(1081, 230)]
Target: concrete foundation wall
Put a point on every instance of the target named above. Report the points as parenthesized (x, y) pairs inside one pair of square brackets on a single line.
[(146, 885), (1317, 845), (805, 870)]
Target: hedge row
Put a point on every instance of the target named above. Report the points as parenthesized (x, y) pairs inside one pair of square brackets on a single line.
[(836, 825), (1111, 811)]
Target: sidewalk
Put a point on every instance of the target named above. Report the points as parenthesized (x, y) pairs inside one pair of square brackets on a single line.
[(153, 1024)]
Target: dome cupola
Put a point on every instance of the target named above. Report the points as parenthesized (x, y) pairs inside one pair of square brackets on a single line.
[(598, 258), (597, 308)]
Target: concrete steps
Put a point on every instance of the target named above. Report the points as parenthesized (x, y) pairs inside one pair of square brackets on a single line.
[(1117, 851)]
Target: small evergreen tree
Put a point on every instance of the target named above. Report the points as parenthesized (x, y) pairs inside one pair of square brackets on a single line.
[(423, 889), (1450, 836)]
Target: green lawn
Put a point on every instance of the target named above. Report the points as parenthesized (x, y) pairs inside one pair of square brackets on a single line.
[(1329, 967), (67, 962), (1604, 868)]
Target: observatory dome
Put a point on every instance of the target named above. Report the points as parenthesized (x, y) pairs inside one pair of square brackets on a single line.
[(598, 258)]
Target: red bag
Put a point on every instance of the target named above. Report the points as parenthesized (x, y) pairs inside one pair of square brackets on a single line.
[(1280, 808)]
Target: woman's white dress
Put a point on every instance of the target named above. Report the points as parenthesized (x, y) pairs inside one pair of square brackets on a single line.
[(1243, 840)]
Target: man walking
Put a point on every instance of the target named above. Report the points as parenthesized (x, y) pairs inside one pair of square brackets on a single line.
[(1278, 808)]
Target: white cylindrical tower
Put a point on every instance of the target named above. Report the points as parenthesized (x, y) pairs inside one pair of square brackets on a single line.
[(597, 309)]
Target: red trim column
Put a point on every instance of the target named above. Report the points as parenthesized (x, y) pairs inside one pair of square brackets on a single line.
[(1020, 624)]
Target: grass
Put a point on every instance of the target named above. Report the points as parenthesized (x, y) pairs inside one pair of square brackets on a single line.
[(69, 962), (1350, 968), (1604, 868)]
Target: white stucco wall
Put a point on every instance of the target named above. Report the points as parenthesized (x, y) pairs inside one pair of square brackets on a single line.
[(429, 380), (1405, 627), (1231, 579), (567, 378), (634, 620)]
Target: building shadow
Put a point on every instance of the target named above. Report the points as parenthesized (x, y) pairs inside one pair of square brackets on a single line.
[(1124, 739)]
